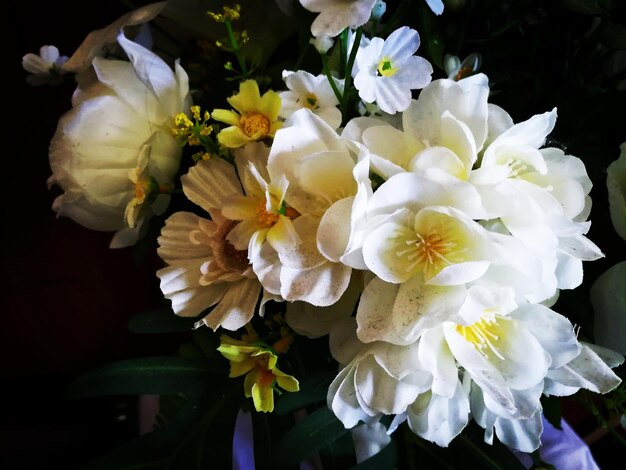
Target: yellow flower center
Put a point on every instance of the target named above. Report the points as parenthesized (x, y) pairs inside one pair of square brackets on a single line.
[(517, 168), (255, 125), (482, 335), (310, 101), (265, 219), (432, 251), (385, 68)]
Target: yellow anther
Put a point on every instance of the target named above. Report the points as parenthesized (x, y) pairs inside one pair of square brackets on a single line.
[(255, 125), (385, 67), (195, 112), (228, 14)]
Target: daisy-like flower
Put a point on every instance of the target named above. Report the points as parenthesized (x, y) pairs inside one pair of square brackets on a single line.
[(312, 92), (336, 15), (388, 70), (45, 67), (117, 121), (258, 363), (203, 268), (255, 116)]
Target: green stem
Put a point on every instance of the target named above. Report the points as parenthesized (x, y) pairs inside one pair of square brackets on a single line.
[(343, 51), (330, 78), (235, 48), (348, 76)]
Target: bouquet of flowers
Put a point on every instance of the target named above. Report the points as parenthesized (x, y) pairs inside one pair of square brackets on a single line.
[(370, 253)]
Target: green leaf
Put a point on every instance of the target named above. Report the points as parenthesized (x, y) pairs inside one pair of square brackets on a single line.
[(195, 438), (307, 437), (149, 375), (160, 321), (608, 298)]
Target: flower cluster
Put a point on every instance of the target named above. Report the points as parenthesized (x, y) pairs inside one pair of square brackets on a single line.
[(406, 217)]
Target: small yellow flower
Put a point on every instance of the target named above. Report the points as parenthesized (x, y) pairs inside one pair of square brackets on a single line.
[(195, 132), (258, 362), (255, 116), (228, 14)]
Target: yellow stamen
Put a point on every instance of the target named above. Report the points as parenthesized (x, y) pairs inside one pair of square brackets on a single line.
[(482, 335), (432, 251), (265, 219), (310, 101), (255, 125), (385, 68)]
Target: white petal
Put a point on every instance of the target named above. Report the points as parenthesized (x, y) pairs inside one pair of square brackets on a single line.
[(236, 307), (588, 371), (380, 391), (180, 284), (333, 233), (554, 332), (438, 419), (210, 182), (437, 358), (313, 322), (321, 286)]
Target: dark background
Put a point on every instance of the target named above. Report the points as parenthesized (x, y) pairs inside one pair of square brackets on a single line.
[(67, 298)]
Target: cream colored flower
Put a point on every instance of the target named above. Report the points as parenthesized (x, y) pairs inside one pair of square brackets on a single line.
[(205, 269), (119, 123)]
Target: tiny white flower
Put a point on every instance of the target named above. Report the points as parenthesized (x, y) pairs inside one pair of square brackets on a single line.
[(322, 44), (335, 16), (45, 67), (312, 92), (388, 70)]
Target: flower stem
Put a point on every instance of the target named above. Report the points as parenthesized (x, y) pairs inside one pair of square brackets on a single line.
[(330, 78), (348, 76), (235, 48)]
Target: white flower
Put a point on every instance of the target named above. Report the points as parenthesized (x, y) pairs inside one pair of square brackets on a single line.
[(437, 418), (436, 6), (522, 434), (115, 124), (312, 92), (45, 67), (387, 70), (506, 350), (438, 136), (375, 379), (336, 15), (322, 44), (540, 195), (318, 166)]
